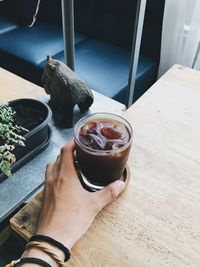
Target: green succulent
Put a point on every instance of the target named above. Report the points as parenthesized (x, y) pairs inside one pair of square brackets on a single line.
[(10, 137)]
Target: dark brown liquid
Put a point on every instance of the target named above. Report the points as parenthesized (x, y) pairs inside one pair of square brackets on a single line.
[(103, 163), (104, 134)]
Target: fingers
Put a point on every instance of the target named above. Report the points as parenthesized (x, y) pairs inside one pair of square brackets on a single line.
[(67, 157), (67, 153), (110, 192), (64, 161), (48, 171), (57, 166), (66, 166)]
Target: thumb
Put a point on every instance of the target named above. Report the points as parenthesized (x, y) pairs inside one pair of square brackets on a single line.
[(110, 192)]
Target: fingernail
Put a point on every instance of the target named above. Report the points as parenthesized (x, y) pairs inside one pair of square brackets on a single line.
[(120, 185)]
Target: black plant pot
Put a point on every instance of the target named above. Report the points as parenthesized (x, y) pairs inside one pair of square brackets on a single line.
[(36, 115)]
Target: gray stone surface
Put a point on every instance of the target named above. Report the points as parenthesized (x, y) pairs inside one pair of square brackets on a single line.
[(27, 180)]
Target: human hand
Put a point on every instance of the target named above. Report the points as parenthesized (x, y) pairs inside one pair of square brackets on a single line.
[(67, 208)]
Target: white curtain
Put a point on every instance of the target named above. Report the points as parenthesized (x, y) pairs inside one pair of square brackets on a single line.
[(180, 35)]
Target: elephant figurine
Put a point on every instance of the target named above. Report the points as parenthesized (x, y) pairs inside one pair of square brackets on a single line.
[(66, 90)]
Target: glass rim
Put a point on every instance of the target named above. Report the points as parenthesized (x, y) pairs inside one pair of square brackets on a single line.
[(102, 152)]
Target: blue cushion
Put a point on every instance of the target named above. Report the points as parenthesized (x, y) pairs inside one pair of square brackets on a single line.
[(32, 44), (105, 68), (145, 77), (21, 50), (6, 25)]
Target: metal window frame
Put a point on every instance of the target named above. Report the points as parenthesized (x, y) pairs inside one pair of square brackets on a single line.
[(137, 37), (68, 32)]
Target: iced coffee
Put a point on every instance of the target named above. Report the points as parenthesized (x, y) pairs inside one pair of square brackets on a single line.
[(103, 142)]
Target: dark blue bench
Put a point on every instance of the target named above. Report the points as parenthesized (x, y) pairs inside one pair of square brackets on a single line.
[(103, 39)]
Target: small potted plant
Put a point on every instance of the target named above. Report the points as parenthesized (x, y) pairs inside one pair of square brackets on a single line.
[(10, 136), (24, 132)]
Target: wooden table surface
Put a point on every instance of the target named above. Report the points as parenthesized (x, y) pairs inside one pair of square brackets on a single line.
[(156, 222), (14, 87)]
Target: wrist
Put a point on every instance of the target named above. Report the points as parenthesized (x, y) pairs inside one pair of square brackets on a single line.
[(60, 237)]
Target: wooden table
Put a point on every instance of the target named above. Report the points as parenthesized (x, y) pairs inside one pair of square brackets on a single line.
[(156, 222), (15, 190), (13, 87)]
